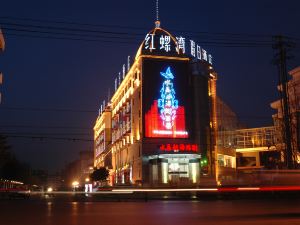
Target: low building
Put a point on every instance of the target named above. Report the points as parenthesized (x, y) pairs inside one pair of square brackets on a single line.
[(256, 148)]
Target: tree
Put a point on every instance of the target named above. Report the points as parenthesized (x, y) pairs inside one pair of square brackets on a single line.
[(100, 174), (5, 154), (10, 167)]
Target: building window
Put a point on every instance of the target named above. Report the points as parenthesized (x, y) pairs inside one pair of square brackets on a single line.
[(221, 160)]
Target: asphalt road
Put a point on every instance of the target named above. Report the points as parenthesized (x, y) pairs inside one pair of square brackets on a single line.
[(242, 212)]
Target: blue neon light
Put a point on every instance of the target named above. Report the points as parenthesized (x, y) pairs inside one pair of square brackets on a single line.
[(167, 104)]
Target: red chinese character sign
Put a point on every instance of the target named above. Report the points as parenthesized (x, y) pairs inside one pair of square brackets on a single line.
[(178, 148), (166, 118)]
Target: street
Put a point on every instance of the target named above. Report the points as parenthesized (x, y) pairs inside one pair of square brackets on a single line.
[(38, 212)]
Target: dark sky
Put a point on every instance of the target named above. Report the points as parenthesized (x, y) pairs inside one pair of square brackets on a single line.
[(47, 73)]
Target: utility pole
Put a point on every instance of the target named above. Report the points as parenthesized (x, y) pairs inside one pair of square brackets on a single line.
[(280, 60)]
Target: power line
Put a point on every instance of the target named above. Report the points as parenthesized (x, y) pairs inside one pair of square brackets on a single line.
[(69, 23), (208, 43), (224, 41), (68, 29), (24, 28), (43, 127), (41, 138), (43, 21), (67, 38), (46, 109)]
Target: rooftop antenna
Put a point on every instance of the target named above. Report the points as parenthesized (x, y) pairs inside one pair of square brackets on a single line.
[(157, 22), (108, 95)]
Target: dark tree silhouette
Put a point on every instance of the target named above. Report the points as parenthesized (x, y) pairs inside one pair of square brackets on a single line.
[(100, 174), (5, 154)]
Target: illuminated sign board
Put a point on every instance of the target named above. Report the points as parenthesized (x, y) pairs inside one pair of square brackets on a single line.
[(161, 42), (165, 99), (179, 147)]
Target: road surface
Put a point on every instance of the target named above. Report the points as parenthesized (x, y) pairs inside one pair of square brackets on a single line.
[(242, 212)]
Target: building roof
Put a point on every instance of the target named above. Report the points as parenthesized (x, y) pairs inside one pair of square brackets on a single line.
[(2, 42), (295, 71), (152, 39)]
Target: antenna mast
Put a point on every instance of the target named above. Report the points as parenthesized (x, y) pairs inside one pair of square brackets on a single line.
[(157, 22)]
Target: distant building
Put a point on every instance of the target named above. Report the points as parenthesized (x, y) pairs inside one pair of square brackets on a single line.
[(38, 177), (55, 181), (80, 169)]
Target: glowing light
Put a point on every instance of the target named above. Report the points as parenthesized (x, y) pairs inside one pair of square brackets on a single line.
[(164, 168), (49, 189), (166, 190), (170, 132), (88, 188), (149, 44), (198, 52), (179, 147), (165, 42), (193, 51), (181, 43), (210, 59), (194, 172), (168, 104), (75, 183), (204, 54), (165, 117)]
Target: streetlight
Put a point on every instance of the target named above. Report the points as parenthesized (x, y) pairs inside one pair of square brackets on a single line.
[(75, 185)]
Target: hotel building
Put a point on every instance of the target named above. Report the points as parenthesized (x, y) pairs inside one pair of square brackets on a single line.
[(159, 127)]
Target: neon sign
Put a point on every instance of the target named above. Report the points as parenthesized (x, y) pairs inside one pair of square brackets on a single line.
[(163, 43), (166, 118), (179, 147), (167, 103)]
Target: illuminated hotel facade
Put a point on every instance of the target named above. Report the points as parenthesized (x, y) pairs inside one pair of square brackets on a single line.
[(159, 127)]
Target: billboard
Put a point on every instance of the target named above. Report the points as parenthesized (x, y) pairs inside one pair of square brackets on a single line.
[(166, 98)]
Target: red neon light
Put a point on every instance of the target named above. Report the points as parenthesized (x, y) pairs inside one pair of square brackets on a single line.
[(179, 147), (154, 124), (259, 189)]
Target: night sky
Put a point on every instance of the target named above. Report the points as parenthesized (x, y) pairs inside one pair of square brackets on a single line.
[(54, 87)]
